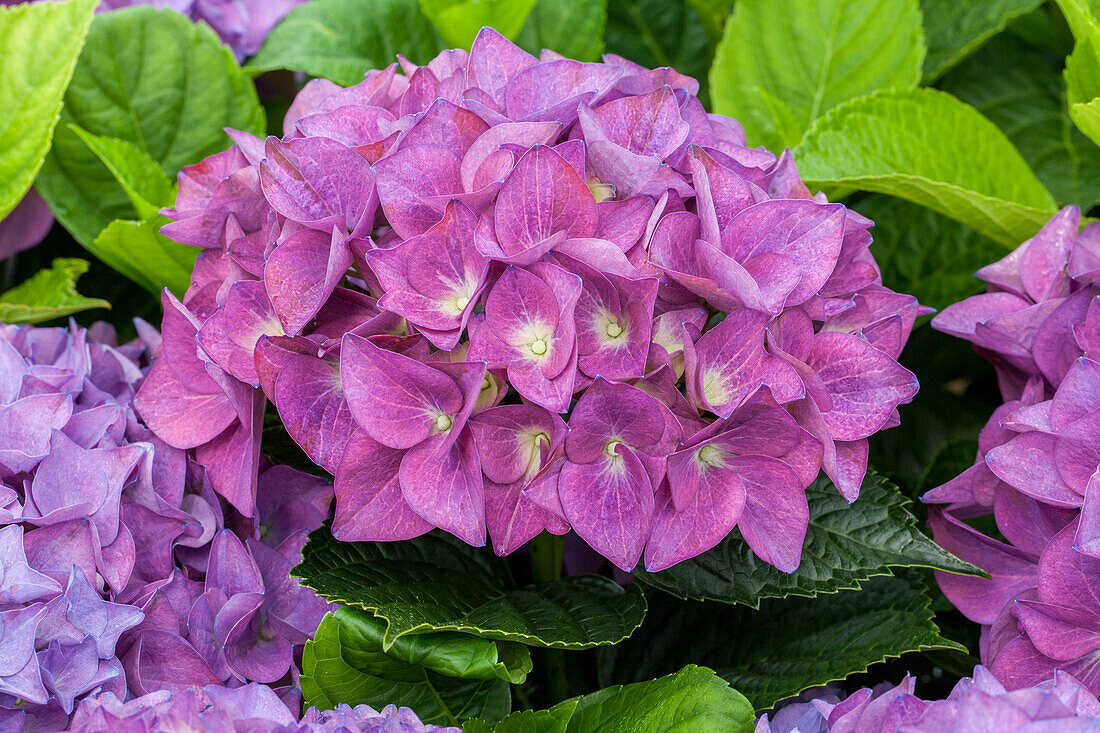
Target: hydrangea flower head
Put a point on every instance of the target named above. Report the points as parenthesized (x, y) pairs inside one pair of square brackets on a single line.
[(978, 703), (121, 570), (1038, 460), (499, 294)]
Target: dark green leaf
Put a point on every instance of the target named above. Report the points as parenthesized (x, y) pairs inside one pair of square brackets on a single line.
[(39, 45), (787, 645), (554, 720), (926, 146), (341, 40), (808, 56), (459, 21), (340, 665), (573, 28), (954, 30), (657, 33), (438, 583), (1019, 88), (153, 79), (925, 253), (47, 295), (714, 14), (845, 544)]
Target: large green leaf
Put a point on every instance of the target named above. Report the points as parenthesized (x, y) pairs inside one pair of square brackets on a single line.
[(1083, 86), (459, 21), (787, 645), (438, 583), (954, 30), (48, 294), (139, 251), (153, 79), (925, 253), (926, 146), (39, 45), (692, 700), (573, 28), (845, 544), (1017, 86), (341, 40), (343, 665), (657, 33), (808, 56), (145, 184)]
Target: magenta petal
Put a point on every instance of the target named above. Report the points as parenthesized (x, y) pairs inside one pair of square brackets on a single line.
[(513, 519), (865, 384), (414, 185), (443, 484), (727, 360), (776, 513), (309, 395), (25, 429), (369, 505), (1027, 463), (160, 660), (394, 398), (1058, 632), (25, 226), (310, 180), (542, 196), (302, 272), (609, 503), (513, 440)]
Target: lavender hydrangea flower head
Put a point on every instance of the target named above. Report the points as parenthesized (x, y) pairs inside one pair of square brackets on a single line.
[(1038, 459), (121, 570), (1055, 702), (499, 294), (252, 707)]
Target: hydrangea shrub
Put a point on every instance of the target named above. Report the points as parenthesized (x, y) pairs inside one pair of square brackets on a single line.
[(1036, 470), (121, 570), (505, 294)]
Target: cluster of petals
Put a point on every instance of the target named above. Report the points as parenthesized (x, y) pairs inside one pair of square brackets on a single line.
[(1037, 466), (976, 704), (121, 570), (253, 707), (500, 294)]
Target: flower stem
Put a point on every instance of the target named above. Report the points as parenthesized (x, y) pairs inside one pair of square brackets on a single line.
[(547, 552)]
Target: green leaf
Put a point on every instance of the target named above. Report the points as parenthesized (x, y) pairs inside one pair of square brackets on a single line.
[(39, 45), (811, 55), (924, 253), (1083, 86), (657, 33), (438, 583), (693, 699), (153, 79), (1017, 86), (788, 645), (573, 28), (341, 40), (341, 665), (139, 251), (459, 21), (449, 653), (48, 294), (845, 545), (145, 184), (714, 14), (553, 720), (954, 30), (926, 146)]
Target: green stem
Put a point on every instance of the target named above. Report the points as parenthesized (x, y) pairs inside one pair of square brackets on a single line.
[(547, 552)]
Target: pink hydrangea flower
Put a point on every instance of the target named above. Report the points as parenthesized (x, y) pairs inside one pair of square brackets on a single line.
[(1038, 459), (500, 294)]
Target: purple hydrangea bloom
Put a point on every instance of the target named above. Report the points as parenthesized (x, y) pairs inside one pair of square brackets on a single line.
[(122, 572), (1055, 702), (253, 707), (1038, 457), (241, 24), (500, 294)]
